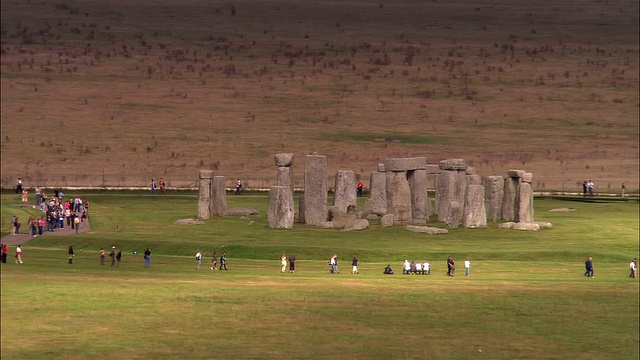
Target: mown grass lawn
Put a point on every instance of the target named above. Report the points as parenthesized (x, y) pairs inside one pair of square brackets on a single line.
[(526, 296)]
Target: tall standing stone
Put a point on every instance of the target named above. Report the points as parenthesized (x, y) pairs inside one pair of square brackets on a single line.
[(475, 215), (284, 163), (281, 213), (204, 194), (218, 196), (510, 198), (451, 185), (525, 197), (420, 203), (399, 197), (315, 190), (377, 202), (494, 191), (345, 192)]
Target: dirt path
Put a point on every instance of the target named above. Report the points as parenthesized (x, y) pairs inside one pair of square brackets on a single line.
[(24, 236)]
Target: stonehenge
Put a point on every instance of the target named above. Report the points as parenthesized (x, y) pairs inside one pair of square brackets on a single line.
[(398, 195)]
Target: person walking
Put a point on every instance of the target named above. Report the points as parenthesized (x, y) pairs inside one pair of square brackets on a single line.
[(354, 265), (292, 263), (589, 268), (118, 258), (214, 261), (467, 265), (153, 187), (623, 188), (198, 260), (359, 188), (238, 187), (112, 255), (19, 186), (283, 263), (5, 251), (223, 261), (72, 254), (333, 263), (18, 255), (633, 267), (102, 256), (147, 258)]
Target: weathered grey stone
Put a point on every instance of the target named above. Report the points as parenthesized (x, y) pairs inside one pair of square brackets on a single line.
[(450, 186), (218, 196), (315, 190), (371, 216), (399, 197), (432, 169), (510, 198), (241, 211), (474, 179), (525, 203), (544, 224), (285, 177), (377, 201), (515, 173), (426, 229), (386, 220), (470, 170), (285, 159), (405, 164), (527, 177), (204, 194), (381, 168), (475, 215), (345, 190), (420, 203), (507, 225), (358, 224), (280, 214), (189, 222), (493, 194), (563, 210), (454, 215), (526, 226), (453, 164)]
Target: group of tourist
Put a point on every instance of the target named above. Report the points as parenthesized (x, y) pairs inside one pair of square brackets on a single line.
[(408, 268), (587, 188), (160, 185), (292, 263), (56, 213)]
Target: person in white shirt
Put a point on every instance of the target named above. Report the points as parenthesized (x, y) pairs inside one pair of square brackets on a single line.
[(418, 268), (467, 265), (406, 267), (198, 260), (426, 267), (633, 268), (19, 255), (283, 263)]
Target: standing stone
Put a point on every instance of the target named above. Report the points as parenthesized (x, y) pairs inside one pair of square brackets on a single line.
[(510, 199), (377, 202), (281, 213), (285, 177), (525, 206), (315, 190), (218, 196), (386, 220), (285, 173), (450, 186), (494, 191), (454, 215), (399, 197), (475, 215), (204, 194), (345, 193), (420, 203)]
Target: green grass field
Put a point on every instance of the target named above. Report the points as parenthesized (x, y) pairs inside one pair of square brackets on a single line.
[(526, 297)]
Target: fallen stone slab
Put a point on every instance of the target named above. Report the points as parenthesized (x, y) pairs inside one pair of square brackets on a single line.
[(562, 210), (359, 224), (189, 222), (544, 224), (426, 229), (520, 226), (239, 211)]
